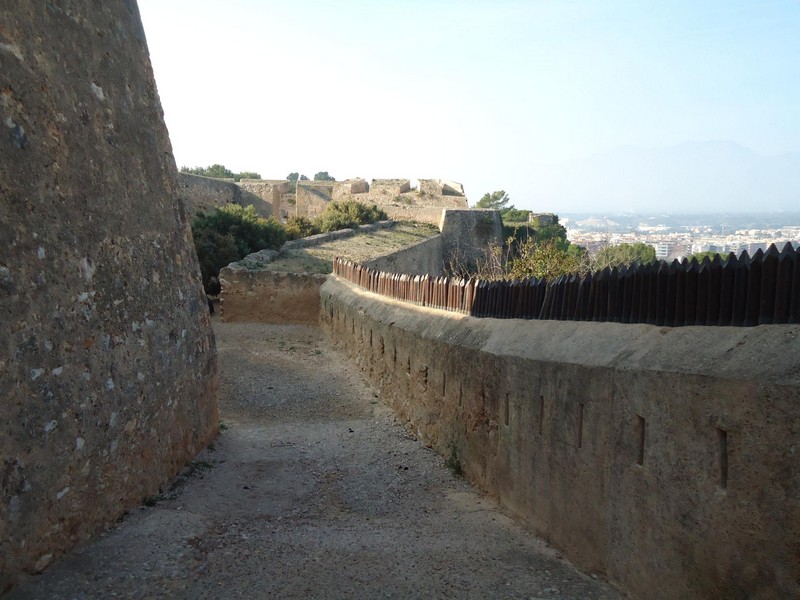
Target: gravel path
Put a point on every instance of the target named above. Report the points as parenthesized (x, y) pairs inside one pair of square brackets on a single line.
[(311, 491)]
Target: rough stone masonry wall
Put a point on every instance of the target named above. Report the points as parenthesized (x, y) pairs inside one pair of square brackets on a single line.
[(424, 258), (261, 296), (663, 459), (273, 192), (207, 194), (312, 198), (394, 196), (467, 236), (107, 359), (251, 293)]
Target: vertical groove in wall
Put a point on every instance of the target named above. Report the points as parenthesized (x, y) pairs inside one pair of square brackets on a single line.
[(640, 429), (505, 411), (444, 384), (722, 436), (579, 433), (425, 378)]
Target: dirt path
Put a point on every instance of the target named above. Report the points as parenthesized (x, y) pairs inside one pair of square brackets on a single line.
[(311, 491)]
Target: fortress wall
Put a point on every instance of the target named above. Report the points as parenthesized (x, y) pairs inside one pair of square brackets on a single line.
[(251, 293), (271, 191), (270, 297), (312, 197), (467, 236), (393, 196), (663, 459), (424, 258), (410, 212), (206, 194), (107, 360)]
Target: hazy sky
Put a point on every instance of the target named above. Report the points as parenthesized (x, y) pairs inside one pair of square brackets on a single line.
[(488, 93)]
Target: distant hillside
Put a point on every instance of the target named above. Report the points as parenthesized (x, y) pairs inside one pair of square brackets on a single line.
[(691, 177)]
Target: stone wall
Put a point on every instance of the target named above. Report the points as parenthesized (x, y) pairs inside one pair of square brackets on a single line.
[(396, 197), (662, 459), (206, 194), (467, 236), (260, 296), (312, 197), (424, 258), (107, 358), (252, 293), (275, 192)]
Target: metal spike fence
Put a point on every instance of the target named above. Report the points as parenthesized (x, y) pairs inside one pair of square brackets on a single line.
[(744, 291)]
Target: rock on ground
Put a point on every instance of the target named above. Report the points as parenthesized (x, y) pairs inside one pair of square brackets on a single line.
[(312, 490)]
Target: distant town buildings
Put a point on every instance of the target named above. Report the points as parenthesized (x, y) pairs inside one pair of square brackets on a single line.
[(674, 240)]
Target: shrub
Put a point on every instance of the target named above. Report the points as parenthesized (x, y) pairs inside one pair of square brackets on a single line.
[(544, 260), (299, 227), (230, 234), (347, 214)]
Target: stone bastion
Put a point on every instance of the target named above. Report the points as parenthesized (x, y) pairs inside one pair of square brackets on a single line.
[(108, 365)]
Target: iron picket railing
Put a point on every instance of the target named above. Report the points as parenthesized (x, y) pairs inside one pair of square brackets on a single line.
[(739, 291)]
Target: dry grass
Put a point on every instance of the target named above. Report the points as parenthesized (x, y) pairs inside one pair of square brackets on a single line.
[(319, 259)]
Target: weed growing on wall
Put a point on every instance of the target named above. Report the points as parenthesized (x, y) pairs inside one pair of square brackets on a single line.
[(453, 461)]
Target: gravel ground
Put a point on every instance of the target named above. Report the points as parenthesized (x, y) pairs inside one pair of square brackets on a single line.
[(312, 490)]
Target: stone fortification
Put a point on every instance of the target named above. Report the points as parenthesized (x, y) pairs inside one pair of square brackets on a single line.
[(467, 236), (205, 194), (423, 202), (312, 197), (424, 258), (251, 292), (663, 459), (277, 193), (107, 365)]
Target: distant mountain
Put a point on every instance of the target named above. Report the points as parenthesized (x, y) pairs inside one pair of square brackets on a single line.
[(690, 177)]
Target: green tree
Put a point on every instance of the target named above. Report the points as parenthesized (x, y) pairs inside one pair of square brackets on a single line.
[(217, 171), (699, 256), (246, 175), (625, 255), (549, 228), (513, 215), (323, 176), (538, 228), (496, 200), (230, 234), (293, 178), (220, 172)]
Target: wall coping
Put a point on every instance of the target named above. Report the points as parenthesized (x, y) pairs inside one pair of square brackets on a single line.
[(766, 353)]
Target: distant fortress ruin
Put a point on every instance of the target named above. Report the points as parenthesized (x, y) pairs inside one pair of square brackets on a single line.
[(401, 199)]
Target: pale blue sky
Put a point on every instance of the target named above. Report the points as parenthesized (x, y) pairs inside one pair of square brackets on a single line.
[(488, 93)]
